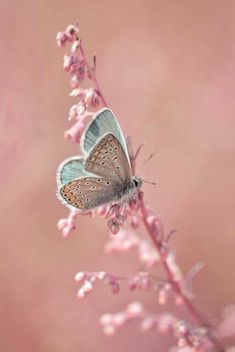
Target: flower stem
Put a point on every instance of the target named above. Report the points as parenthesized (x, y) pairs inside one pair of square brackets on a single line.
[(91, 70), (195, 314)]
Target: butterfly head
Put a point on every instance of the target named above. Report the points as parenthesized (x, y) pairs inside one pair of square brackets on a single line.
[(137, 181)]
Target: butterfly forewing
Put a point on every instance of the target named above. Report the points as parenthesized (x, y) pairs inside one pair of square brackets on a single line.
[(103, 122), (89, 192), (108, 160)]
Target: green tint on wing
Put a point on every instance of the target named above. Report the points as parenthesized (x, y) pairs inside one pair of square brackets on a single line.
[(70, 169), (104, 122)]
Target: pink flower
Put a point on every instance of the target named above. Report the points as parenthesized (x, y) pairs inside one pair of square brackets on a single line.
[(61, 39), (67, 225), (75, 132), (72, 31)]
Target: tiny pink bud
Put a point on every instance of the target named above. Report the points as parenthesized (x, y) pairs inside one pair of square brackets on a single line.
[(115, 287), (77, 92), (106, 319), (88, 95), (162, 297), (75, 132), (134, 309), (135, 222), (71, 31), (62, 223), (101, 275), (81, 294), (147, 324), (109, 330), (132, 284), (80, 276), (81, 107), (113, 226), (73, 112), (87, 287), (61, 39), (68, 61), (119, 319), (75, 82), (75, 46)]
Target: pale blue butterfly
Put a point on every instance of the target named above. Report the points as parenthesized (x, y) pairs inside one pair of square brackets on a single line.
[(103, 175)]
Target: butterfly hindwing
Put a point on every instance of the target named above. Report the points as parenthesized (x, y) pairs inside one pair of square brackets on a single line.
[(90, 192), (70, 169)]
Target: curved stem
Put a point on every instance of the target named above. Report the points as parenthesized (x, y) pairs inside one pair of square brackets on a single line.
[(197, 316)]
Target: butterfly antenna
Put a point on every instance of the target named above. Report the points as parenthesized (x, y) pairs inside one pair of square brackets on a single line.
[(151, 183), (145, 162)]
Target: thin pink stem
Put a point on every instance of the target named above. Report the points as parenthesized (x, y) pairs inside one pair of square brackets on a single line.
[(92, 74)]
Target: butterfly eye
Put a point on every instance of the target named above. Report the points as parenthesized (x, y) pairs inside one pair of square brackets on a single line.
[(136, 183)]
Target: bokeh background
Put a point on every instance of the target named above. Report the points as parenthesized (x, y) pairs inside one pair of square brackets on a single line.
[(167, 69)]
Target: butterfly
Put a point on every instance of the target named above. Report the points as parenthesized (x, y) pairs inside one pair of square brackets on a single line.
[(103, 175)]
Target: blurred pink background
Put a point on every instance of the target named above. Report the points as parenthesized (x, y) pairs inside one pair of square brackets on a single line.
[(167, 70)]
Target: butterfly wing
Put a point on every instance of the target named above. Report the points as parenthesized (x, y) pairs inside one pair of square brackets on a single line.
[(89, 192), (103, 122), (108, 159), (70, 169)]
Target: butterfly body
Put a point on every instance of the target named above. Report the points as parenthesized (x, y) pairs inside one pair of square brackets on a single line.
[(105, 176)]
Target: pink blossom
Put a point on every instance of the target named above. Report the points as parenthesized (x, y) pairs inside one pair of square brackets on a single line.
[(61, 39), (75, 132), (72, 31), (67, 225)]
